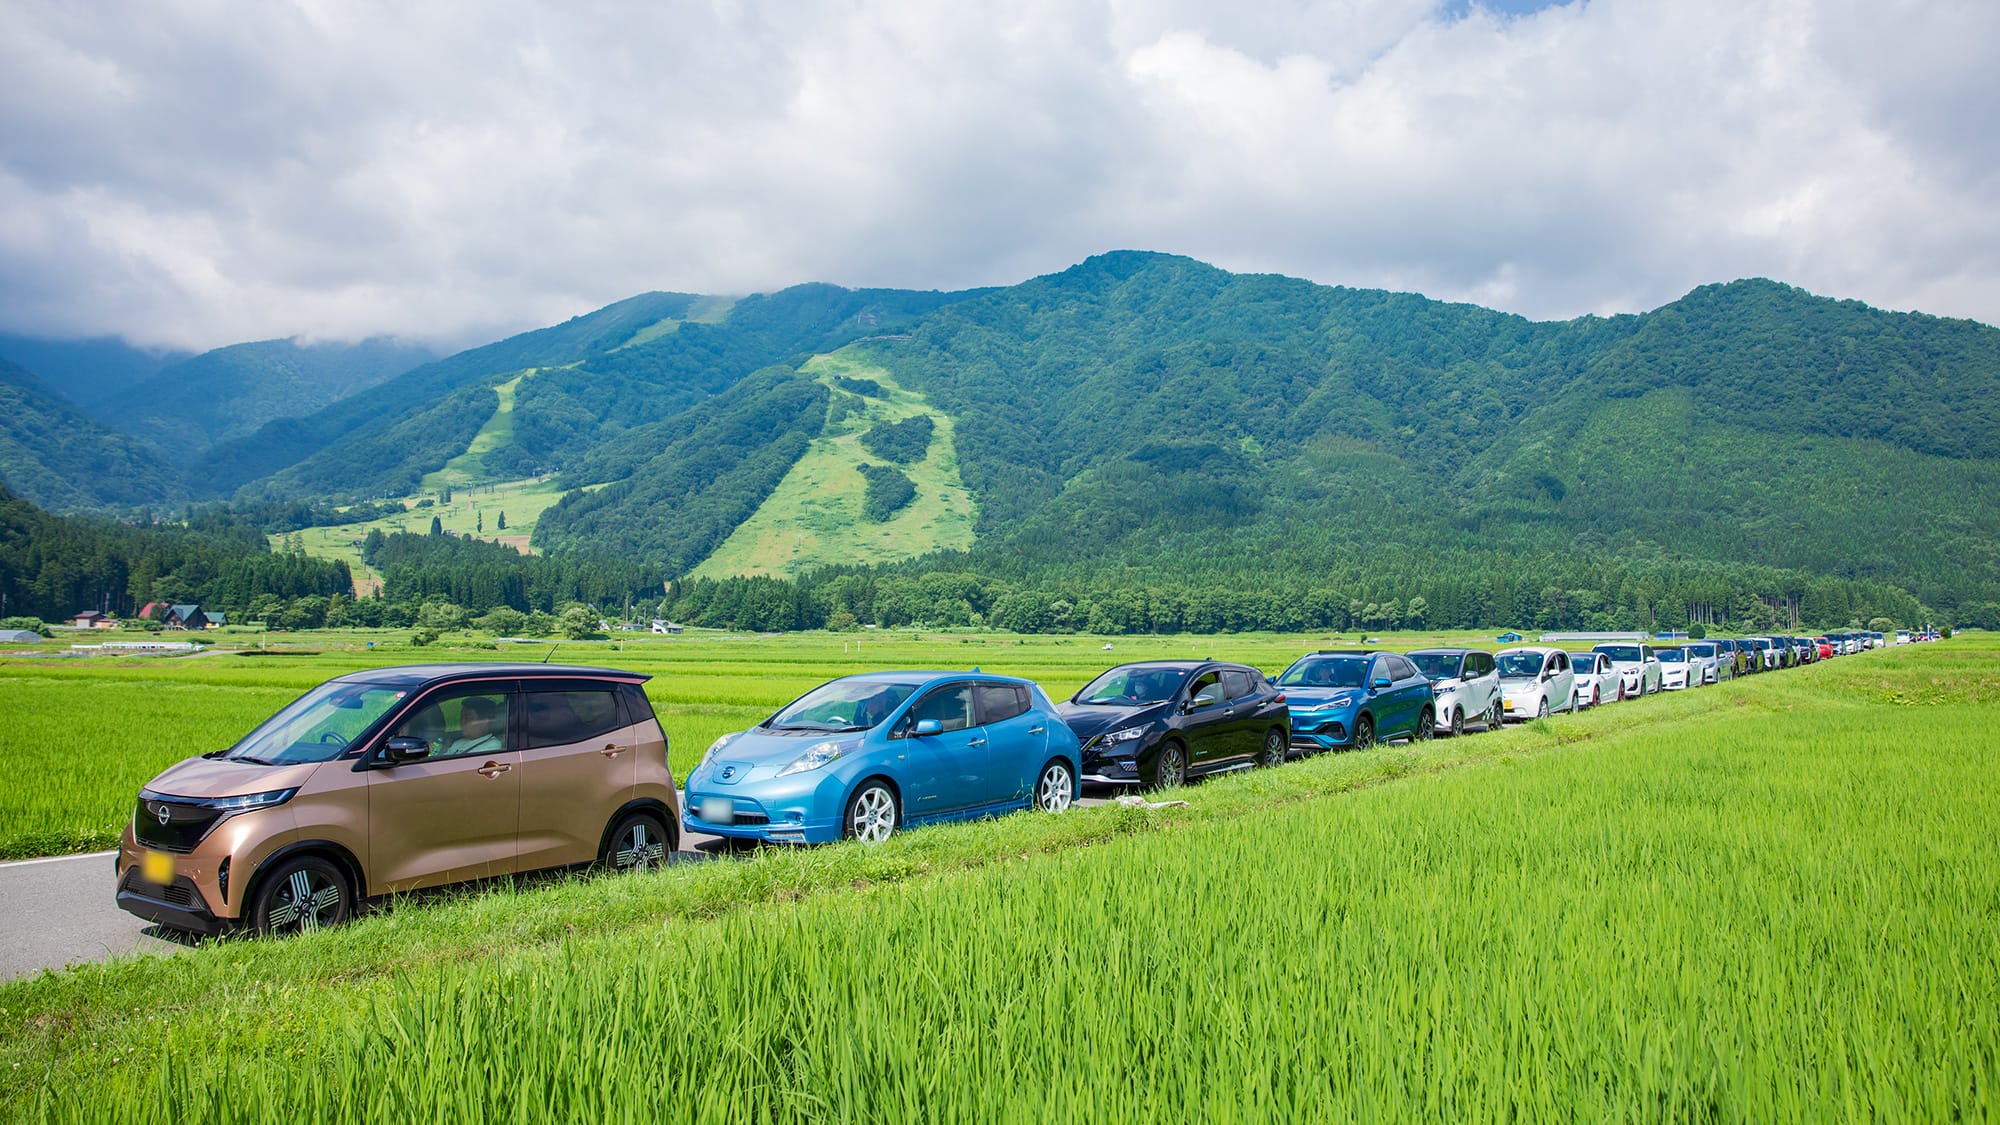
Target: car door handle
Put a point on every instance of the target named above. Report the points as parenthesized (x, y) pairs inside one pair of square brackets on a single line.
[(492, 770), (1036, 730), (612, 750), (977, 742)]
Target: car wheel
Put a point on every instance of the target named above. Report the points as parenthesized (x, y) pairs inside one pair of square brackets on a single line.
[(1364, 733), (638, 842), (1457, 725), (872, 814), (1426, 726), (1496, 715), (1274, 749), (1056, 788), (301, 895), (1171, 770), (1542, 710)]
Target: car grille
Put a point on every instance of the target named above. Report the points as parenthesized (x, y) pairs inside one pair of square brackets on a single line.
[(184, 827), (181, 892)]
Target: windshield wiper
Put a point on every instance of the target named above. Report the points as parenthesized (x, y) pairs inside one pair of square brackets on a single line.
[(253, 761)]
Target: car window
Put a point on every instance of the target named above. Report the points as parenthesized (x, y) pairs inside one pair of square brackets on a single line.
[(556, 717), (1238, 683), (950, 705), (1208, 683), (1482, 663), (1330, 671), (1561, 663), (1001, 701), (460, 721)]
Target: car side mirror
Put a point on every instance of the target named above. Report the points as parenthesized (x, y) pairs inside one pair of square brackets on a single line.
[(926, 727), (1272, 680), (1201, 701), (1381, 682), (403, 749)]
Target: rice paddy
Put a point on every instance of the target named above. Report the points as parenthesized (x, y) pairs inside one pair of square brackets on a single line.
[(1769, 900)]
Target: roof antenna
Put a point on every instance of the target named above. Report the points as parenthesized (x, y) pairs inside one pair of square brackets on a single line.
[(552, 652)]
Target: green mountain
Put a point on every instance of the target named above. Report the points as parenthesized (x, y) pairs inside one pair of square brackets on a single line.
[(588, 384), (230, 392), (89, 373), (52, 454)]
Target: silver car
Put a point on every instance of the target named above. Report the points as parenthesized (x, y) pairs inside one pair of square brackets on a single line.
[(1709, 656), (1535, 681)]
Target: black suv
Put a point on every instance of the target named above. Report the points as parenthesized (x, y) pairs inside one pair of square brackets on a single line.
[(1161, 722)]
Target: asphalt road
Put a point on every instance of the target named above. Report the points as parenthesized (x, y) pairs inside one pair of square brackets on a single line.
[(61, 911)]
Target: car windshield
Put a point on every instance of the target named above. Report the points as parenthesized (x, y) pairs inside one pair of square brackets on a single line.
[(317, 726), (1621, 652), (1133, 684), (842, 706), (1520, 665), (1671, 655), (1437, 665), (1583, 661), (1327, 671)]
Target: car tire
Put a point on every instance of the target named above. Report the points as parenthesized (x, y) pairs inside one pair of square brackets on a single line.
[(1273, 753), (1170, 768), (1457, 724), (638, 841), (299, 895), (1055, 786), (1426, 726), (1542, 708), (873, 813), (1496, 715), (1364, 733)]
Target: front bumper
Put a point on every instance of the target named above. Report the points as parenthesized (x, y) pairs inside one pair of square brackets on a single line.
[(1325, 730), (759, 826), (177, 905)]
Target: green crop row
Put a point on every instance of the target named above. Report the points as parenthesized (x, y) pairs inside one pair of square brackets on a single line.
[(1770, 900)]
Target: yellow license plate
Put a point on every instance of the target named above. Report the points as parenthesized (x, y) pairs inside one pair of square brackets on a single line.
[(158, 867), (1507, 703)]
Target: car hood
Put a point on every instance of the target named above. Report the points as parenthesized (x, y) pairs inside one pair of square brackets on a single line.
[(760, 748), (215, 777), (1301, 699), (1090, 720)]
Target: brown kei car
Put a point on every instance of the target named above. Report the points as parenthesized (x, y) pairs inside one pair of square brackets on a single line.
[(396, 779)]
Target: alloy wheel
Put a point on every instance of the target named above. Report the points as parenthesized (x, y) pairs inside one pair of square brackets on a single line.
[(1274, 750), (1457, 722), (305, 896), (1364, 733), (872, 816), (1055, 790), (1426, 727), (1172, 770), (1542, 711), (639, 846)]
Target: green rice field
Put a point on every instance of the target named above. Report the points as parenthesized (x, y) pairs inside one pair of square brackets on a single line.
[(1774, 899)]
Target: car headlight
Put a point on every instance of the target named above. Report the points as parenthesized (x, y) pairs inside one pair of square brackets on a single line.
[(1125, 735), (714, 746), (229, 806), (1336, 702), (815, 756)]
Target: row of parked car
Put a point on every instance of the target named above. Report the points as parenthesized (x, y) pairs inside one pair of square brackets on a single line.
[(397, 779)]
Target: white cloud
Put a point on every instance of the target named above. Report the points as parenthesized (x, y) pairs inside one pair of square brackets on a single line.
[(197, 173)]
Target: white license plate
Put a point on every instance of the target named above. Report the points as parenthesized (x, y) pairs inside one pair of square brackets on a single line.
[(718, 810)]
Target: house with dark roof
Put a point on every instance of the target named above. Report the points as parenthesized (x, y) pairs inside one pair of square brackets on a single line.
[(185, 617), (91, 619)]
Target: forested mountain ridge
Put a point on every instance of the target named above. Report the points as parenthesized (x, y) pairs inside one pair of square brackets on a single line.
[(54, 455), (229, 392)]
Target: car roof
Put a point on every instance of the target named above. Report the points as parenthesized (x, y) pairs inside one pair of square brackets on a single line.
[(419, 675), (920, 677), (1443, 651)]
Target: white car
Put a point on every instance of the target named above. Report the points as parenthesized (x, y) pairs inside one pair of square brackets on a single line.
[(1708, 657), (1677, 672), (1535, 681), (1638, 667), (1467, 686), (1596, 680)]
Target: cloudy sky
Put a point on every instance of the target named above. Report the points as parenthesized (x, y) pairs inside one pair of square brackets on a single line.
[(193, 173)]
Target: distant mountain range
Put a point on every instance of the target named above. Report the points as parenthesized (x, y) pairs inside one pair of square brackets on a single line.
[(1136, 411)]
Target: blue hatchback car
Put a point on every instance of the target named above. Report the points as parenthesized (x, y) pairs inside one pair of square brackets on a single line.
[(1352, 700), (864, 755)]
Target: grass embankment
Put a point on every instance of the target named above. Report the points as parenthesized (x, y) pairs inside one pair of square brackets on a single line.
[(79, 737), (815, 518), (1772, 899)]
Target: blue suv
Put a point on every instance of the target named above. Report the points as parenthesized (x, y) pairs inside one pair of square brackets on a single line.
[(1342, 700)]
